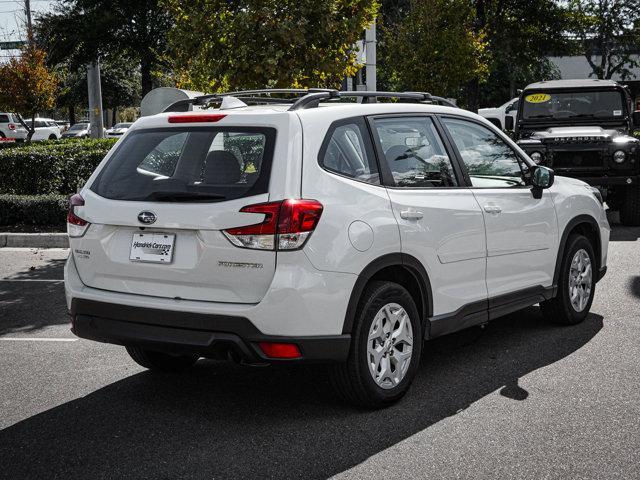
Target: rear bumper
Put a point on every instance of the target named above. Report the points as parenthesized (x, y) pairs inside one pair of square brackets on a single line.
[(207, 335)]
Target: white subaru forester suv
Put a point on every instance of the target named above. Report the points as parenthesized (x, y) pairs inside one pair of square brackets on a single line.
[(310, 229)]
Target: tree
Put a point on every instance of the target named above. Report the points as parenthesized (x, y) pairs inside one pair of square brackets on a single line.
[(120, 81), (27, 86), (434, 48), (218, 45), (79, 31), (520, 35), (608, 33)]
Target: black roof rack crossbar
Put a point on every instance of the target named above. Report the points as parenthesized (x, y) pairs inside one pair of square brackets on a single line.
[(313, 98)]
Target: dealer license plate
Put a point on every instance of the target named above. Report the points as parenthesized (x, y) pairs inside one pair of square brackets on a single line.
[(152, 247)]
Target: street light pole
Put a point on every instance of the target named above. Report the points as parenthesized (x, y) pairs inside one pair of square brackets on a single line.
[(370, 51), (95, 99)]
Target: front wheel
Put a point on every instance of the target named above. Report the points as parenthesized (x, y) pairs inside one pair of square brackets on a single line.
[(576, 286), (161, 362), (630, 207), (385, 348)]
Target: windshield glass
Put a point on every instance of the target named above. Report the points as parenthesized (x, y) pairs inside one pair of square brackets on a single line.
[(188, 164), (80, 126), (576, 104)]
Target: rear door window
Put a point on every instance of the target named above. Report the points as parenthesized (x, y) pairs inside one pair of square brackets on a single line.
[(189, 164), (414, 152), (4, 118)]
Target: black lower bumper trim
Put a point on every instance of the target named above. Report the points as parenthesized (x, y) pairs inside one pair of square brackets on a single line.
[(605, 180), (193, 333)]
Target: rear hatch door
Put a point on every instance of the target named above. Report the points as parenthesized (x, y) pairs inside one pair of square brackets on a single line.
[(157, 208)]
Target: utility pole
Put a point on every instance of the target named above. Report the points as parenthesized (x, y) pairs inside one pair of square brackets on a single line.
[(95, 99), (27, 11), (370, 51)]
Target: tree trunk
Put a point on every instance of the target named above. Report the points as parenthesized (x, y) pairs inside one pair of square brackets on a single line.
[(32, 129), (72, 115), (114, 118), (145, 74)]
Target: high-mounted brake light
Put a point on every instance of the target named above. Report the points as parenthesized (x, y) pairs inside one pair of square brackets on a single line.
[(286, 225), (204, 118), (76, 226), (280, 350)]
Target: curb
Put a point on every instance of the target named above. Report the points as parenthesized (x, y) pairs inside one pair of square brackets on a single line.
[(34, 240)]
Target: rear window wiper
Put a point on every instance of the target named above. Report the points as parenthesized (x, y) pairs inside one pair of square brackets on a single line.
[(545, 115), (582, 115), (184, 196)]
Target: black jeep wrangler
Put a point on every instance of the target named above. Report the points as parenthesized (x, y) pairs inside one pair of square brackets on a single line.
[(583, 129)]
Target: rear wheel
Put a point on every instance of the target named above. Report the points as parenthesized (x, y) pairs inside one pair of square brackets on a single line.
[(630, 207), (52, 137), (161, 362), (576, 286), (385, 348)]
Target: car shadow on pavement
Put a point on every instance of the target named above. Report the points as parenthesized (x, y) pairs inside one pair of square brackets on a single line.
[(27, 306), (227, 421)]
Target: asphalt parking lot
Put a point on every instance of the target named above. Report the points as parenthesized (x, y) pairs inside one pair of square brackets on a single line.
[(520, 399)]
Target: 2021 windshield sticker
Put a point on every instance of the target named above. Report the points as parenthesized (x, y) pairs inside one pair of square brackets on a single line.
[(537, 98)]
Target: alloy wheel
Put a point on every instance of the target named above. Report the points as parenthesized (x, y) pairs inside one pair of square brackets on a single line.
[(390, 346)]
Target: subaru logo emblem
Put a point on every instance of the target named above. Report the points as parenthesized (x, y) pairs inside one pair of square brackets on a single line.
[(147, 217)]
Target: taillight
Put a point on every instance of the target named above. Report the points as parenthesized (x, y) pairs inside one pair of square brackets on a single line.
[(203, 118), (76, 226), (280, 350), (286, 226), (11, 126)]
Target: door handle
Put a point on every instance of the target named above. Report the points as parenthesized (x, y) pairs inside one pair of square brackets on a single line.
[(492, 209), (411, 214)]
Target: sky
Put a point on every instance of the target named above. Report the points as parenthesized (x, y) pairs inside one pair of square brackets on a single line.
[(13, 20)]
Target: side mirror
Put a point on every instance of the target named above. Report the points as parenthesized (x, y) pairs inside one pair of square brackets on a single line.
[(636, 118), (542, 178), (508, 123)]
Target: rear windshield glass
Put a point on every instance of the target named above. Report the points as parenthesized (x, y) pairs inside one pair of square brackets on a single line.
[(577, 104), (189, 164)]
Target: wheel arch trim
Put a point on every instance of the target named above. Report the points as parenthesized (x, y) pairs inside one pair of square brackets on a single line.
[(410, 263), (571, 224)]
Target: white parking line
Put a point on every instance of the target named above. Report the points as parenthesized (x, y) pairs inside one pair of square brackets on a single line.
[(36, 339)]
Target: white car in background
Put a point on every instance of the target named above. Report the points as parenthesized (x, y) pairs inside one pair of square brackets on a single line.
[(118, 130), (498, 116), (78, 130), (11, 128), (45, 129)]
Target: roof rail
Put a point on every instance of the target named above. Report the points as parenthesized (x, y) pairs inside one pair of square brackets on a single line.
[(307, 98)]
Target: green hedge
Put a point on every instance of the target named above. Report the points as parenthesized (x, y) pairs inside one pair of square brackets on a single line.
[(34, 210), (59, 167)]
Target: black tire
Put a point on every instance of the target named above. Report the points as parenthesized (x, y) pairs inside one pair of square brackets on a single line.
[(560, 309), (161, 362), (630, 207), (352, 380), (2, 135), (52, 137)]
